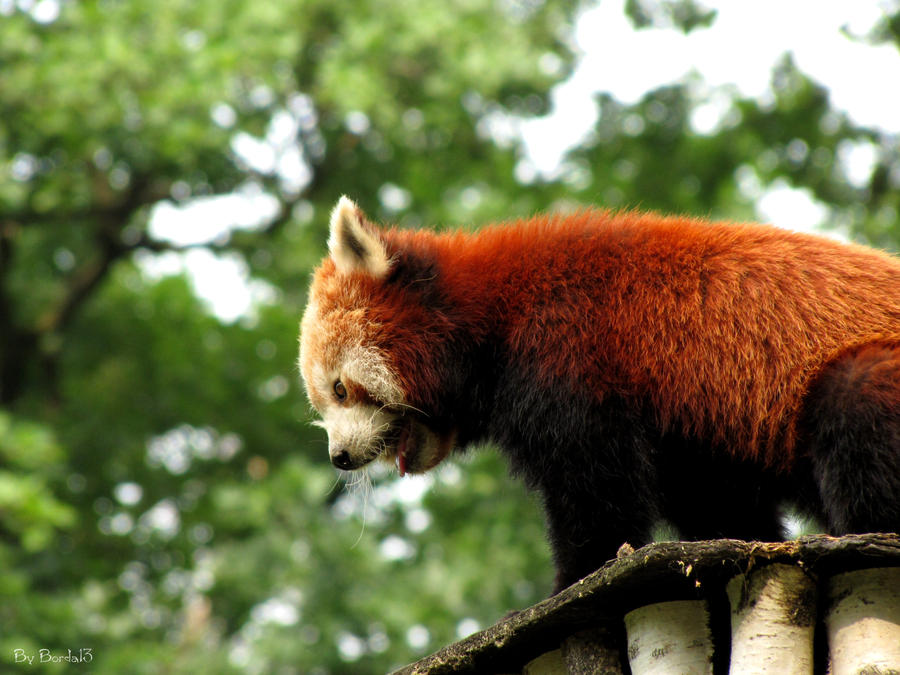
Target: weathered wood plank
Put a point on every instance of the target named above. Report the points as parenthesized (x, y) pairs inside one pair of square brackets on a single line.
[(654, 573)]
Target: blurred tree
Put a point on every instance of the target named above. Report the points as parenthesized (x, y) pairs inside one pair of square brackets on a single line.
[(162, 501)]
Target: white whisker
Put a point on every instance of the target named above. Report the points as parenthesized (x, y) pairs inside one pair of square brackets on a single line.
[(337, 479), (362, 483), (404, 405)]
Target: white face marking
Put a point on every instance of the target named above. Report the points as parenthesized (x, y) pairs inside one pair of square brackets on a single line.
[(358, 429), (369, 368)]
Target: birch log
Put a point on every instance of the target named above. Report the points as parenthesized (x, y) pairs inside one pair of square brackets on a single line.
[(669, 637), (773, 613), (864, 621)]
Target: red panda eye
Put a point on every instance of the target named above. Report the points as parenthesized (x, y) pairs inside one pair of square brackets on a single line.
[(340, 390)]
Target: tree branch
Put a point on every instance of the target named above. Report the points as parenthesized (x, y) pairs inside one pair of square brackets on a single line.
[(16, 345), (20, 346), (83, 284), (111, 221)]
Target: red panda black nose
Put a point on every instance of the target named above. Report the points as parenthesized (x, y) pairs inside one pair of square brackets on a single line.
[(341, 459)]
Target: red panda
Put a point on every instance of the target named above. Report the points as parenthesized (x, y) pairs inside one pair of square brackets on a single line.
[(632, 367)]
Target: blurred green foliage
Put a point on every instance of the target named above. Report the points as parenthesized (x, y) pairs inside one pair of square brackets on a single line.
[(163, 501)]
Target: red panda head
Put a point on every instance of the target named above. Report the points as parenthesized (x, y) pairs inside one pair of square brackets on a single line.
[(363, 353)]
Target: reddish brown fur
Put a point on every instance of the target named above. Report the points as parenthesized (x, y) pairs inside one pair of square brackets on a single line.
[(712, 323)]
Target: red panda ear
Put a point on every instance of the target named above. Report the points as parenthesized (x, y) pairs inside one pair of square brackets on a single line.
[(354, 245)]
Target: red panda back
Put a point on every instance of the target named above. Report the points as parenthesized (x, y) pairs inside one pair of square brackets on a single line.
[(718, 326)]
